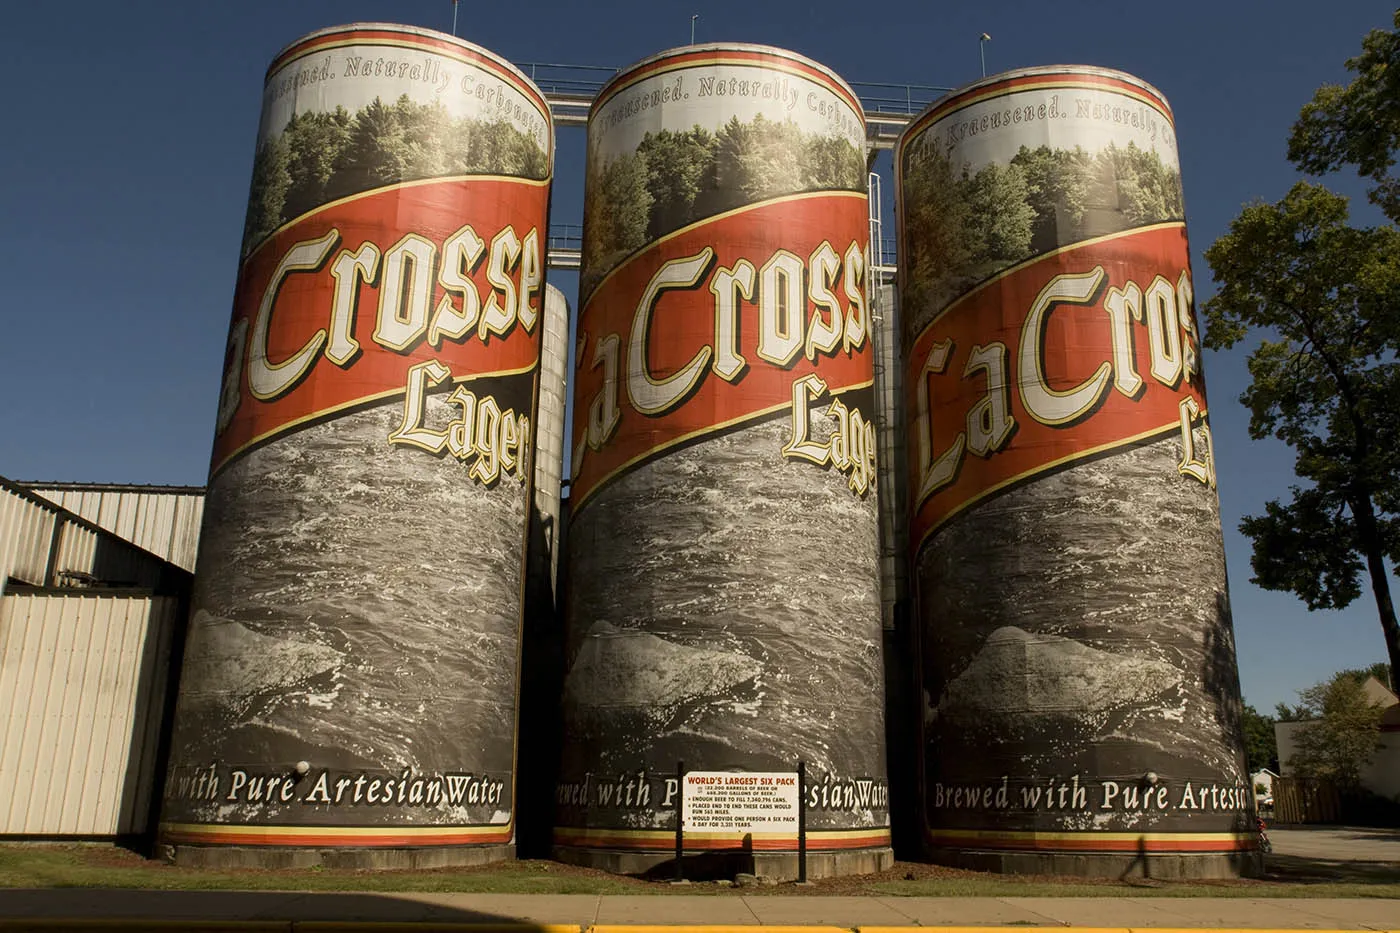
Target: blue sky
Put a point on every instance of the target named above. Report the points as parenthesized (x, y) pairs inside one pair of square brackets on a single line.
[(130, 140)]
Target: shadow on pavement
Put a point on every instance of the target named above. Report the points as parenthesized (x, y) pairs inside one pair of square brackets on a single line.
[(1300, 869), (1377, 833), (110, 904)]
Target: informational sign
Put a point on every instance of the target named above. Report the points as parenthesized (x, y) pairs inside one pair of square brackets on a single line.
[(744, 802)]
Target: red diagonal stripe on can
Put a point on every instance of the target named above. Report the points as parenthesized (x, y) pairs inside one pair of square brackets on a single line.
[(655, 365)]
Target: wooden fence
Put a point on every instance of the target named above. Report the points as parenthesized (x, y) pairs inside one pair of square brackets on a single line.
[(1297, 800)]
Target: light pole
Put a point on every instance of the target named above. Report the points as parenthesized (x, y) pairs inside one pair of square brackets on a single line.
[(982, 50), (454, 19), (693, 18)]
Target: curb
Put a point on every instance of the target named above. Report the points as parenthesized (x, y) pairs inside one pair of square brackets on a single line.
[(430, 926)]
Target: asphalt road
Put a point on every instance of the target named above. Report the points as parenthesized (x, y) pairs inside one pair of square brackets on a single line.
[(1341, 844)]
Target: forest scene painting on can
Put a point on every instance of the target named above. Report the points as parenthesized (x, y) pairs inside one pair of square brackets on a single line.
[(675, 178), (322, 156), (981, 220)]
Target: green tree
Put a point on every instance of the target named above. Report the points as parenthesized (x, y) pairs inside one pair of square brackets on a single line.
[(1131, 188), (314, 142), (1325, 299), (496, 148), (1341, 732), (1260, 746), (268, 192), (831, 163), (1381, 671), (1147, 192), (616, 211), (959, 227), (999, 203), (376, 154), (936, 254), (753, 161), (1296, 713), (677, 162), (425, 133), (1358, 125), (773, 167), (1058, 183)]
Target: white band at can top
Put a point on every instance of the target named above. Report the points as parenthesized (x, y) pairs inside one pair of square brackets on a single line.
[(350, 66)]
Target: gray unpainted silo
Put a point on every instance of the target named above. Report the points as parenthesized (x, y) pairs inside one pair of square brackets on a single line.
[(542, 651)]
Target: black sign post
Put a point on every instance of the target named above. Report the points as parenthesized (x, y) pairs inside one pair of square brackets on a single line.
[(680, 819), (802, 822)]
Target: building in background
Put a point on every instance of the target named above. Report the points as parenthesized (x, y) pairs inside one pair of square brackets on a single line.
[(161, 519), (1380, 775), (91, 626)]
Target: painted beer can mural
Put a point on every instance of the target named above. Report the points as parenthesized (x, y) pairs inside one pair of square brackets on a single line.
[(723, 607), (1080, 691), (350, 676)]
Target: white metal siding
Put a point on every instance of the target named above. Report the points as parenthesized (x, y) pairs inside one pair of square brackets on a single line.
[(78, 553), (162, 521), (82, 686), (103, 557), (26, 534)]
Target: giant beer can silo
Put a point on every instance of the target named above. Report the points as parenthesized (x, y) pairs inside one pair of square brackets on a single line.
[(1080, 694), (350, 680), (723, 607)]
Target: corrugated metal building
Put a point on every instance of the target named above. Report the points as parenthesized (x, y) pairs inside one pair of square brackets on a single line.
[(45, 545), (161, 519), (89, 625), (84, 679)]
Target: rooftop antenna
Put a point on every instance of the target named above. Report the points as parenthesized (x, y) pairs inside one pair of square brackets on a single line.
[(693, 18), (981, 48), (454, 24)]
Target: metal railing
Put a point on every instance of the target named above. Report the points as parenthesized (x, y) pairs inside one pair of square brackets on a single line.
[(888, 253), (565, 246), (905, 99), (565, 236), (559, 80)]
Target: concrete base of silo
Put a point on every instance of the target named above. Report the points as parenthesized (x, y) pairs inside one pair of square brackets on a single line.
[(1121, 866), (275, 857), (708, 866)]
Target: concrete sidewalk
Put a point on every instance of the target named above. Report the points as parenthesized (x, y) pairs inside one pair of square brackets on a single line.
[(585, 910)]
